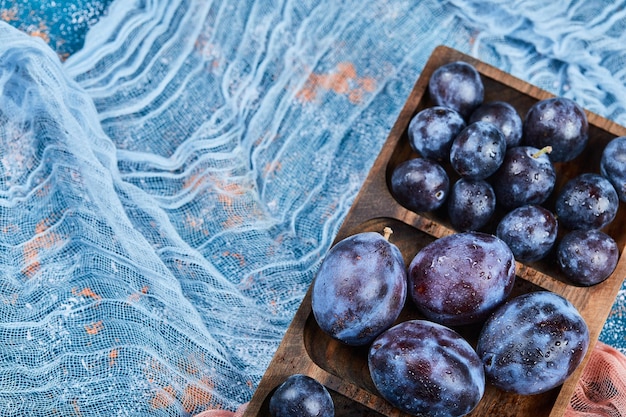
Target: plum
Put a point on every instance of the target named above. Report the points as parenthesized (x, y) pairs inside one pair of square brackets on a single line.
[(478, 151), (457, 85), (432, 130), (301, 396), (526, 176), (360, 288), (420, 184), (532, 343), (613, 165), (587, 257), (504, 116), (471, 204), (530, 231), (587, 201), (557, 122), (424, 368), (461, 278)]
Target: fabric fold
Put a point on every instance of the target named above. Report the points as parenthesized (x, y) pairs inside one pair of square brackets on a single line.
[(168, 191)]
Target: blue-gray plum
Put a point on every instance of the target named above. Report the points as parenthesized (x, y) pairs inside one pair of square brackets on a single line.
[(558, 122), (526, 176), (530, 231), (471, 204), (587, 257), (532, 343), (457, 85), (432, 130), (587, 201), (504, 116), (426, 369), (420, 184), (360, 288), (461, 278), (478, 151), (613, 165), (301, 396)]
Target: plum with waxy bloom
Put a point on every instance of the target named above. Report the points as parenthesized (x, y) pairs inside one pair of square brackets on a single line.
[(424, 368), (532, 343), (360, 288)]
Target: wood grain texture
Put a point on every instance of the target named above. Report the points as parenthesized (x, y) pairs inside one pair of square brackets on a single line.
[(343, 370)]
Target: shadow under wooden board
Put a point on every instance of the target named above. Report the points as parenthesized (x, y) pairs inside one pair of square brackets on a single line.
[(305, 349)]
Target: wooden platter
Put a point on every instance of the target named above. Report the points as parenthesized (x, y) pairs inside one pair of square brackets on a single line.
[(305, 349)]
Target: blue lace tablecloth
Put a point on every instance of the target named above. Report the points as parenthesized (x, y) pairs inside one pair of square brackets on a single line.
[(170, 183)]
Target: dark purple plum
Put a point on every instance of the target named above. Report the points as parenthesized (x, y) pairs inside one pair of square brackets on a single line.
[(587, 257), (424, 368), (526, 176), (478, 151), (532, 343), (432, 130), (587, 201), (471, 204), (461, 278), (301, 396), (420, 184), (360, 288), (530, 231), (504, 116), (613, 165), (557, 122), (457, 85)]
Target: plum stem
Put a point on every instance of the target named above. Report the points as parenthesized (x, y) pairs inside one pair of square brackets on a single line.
[(542, 151), (387, 232)]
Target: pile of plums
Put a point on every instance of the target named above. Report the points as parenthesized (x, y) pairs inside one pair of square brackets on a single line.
[(503, 161), (528, 344)]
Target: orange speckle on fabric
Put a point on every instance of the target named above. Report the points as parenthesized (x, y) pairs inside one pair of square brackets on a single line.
[(40, 242), (229, 191), (12, 300), (194, 222), (163, 398), (246, 283), (274, 306), (198, 395), (347, 69), (233, 188), (42, 191), (136, 296), (193, 182), (133, 298), (41, 33), (113, 354), (343, 80), (42, 226), (86, 292), (473, 36), (355, 96), (8, 15), (307, 94), (233, 221), (238, 256), (76, 407), (367, 84), (10, 228), (272, 167), (339, 83), (94, 328), (226, 200)]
